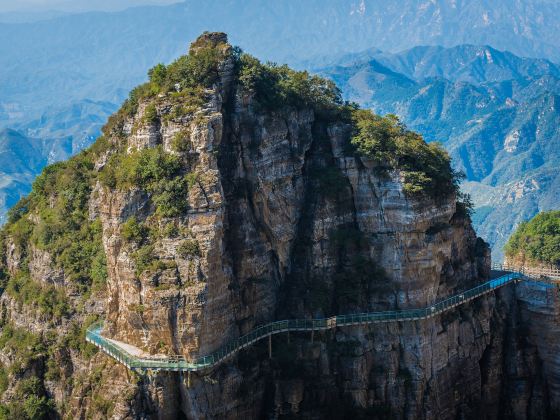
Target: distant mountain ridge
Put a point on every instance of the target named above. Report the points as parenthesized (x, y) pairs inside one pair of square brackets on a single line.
[(66, 58), (461, 63), (55, 65), (29, 17), (496, 113), (467, 63), (20, 161), (55, 136)]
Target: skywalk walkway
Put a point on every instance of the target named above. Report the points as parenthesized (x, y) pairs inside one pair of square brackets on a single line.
[(138, 361)]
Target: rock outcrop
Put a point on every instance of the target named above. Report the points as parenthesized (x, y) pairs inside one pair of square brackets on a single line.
[(275, 218)]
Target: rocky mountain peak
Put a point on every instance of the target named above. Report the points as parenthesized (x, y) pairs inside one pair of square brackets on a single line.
[(209, 40), (203, 213)]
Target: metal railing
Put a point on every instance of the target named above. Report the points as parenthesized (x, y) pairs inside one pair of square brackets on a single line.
[(179, 363), (537, 273)]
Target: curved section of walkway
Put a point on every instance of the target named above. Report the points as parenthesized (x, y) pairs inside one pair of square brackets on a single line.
[(135, 359)]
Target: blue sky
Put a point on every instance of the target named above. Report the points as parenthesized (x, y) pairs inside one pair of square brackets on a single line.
[(74, 5)]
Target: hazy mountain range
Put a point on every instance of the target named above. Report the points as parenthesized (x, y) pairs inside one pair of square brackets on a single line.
[(101, 56), (61, 75)]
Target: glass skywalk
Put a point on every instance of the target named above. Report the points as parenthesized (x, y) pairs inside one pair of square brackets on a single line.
[(179, 363)]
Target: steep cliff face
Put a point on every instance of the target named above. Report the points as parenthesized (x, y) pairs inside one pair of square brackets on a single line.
[(533, 373), (286, 223), (210, 208)]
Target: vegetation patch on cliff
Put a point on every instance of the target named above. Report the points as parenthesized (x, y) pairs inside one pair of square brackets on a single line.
[(30, 402), (277, 87), (50, 301), (184, 81), (52, 222), (24, 349), (538, 239), (155, 171), (426, 167), (54, 218)]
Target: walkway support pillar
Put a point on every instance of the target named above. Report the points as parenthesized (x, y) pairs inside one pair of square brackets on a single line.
[(188, 379), (270, 346), (312, 332)]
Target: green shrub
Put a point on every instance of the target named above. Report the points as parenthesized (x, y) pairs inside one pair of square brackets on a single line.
[(101, 146), (31, 401), (189, 248), (98, 272), (187, 101), (37, 408), (192, 179), (154, 170), (4, 379), (19, 210), (53, 371), (144, 258), (147, 261), (198, 68), (75, 339), (538, 239), (142, 168), (115, 123), (20, 232), (79, 253), (53, 302), (158, 74), (61, 226), (426, 168), (29, 386), (191, 73), (137, 307), (170, 196), (60, 197), (102, 406), (69, 181), (279, 86), (50, 301), (132, 231), (181, 142), (170, 230), (416, 182), (150, 114), (464, 205), (24, 345)]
